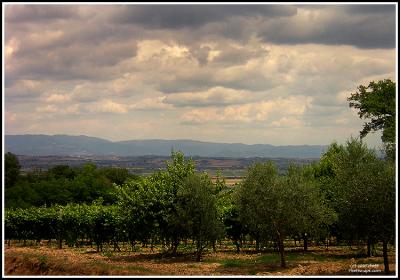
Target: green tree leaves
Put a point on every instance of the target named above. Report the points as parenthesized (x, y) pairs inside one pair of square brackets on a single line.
[(273, 206), (197, 211), (377, 102), (12, 169)]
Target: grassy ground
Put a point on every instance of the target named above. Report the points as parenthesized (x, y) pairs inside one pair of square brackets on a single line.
[(43, 260)]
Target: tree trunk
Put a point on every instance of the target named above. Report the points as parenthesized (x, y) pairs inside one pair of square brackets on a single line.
[(133, 243), (152, 245), (199, 249), (116, 247), (385, 257), (281, 250), (198, 257), (305, 238), (237, 246), (175, 246), (369, 247), (257, 244), (59, 243)]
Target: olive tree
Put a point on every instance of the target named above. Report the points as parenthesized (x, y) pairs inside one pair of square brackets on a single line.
[(197, 211), (365, 191), (277, 206)]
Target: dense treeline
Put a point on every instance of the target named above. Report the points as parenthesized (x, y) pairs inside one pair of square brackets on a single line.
[(61, 184), (349, 194)]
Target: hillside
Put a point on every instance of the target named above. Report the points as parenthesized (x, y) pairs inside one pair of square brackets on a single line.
[(44, 145)]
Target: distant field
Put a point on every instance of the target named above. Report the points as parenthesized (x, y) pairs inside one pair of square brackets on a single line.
[(145, 165), (230, 181), (44, 260)]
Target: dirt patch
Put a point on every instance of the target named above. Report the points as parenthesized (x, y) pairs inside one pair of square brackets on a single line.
[(85, 261)]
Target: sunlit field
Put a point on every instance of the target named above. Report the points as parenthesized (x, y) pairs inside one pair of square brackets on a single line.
[(44, 259)]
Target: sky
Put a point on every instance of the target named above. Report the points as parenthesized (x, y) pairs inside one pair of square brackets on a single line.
[(265, 74)]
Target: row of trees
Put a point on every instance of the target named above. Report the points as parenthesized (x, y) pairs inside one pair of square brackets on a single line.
[(349, 194), (61, 184)]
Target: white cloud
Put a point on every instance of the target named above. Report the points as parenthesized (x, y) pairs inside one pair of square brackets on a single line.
[(47, 109), (151, 104), (107, 106), (58, 98), (215, 96), (267, 111)]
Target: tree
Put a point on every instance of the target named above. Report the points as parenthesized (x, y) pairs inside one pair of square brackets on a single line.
[(115, 174), (365, 191), (277, 206), (377, 102), (12, 169), (314, 215), (197, 211), (62, 171), (253, 198), (178, 169), (144, 203)]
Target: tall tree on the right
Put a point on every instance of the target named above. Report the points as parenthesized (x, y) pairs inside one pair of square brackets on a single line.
[(377, 102), (365, 196)]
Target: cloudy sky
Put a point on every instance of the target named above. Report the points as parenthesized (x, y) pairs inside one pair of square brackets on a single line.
[(277, 74)]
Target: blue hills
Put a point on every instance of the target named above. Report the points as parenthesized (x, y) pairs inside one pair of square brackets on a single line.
[(44, 145)]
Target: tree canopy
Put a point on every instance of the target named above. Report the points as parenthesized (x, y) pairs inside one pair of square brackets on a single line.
[(12, 169), (377, 102)]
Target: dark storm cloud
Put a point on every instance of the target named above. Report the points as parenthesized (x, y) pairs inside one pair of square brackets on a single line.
[(389, 9), (186, 16), (363, 26), (35, 13)]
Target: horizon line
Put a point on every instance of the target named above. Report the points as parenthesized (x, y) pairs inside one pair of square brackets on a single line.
[(160, 139)]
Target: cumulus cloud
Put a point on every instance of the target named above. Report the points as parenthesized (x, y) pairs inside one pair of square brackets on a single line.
[(268, 112), (157, 103), (58, 98), (216, 96), (172, 68), (107, 106)]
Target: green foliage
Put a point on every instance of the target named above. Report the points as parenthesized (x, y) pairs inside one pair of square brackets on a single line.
[(220, 182), (69, 223), (365, 193), (62, 171), (178, 169), (197, 211), (273, 207), (349, 193), (377, 102), (145, 205), (63, 184), (115, 174), (12, 169), (312, 213)]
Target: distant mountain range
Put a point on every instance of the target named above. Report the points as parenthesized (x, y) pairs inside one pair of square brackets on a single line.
[(44, 145)]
